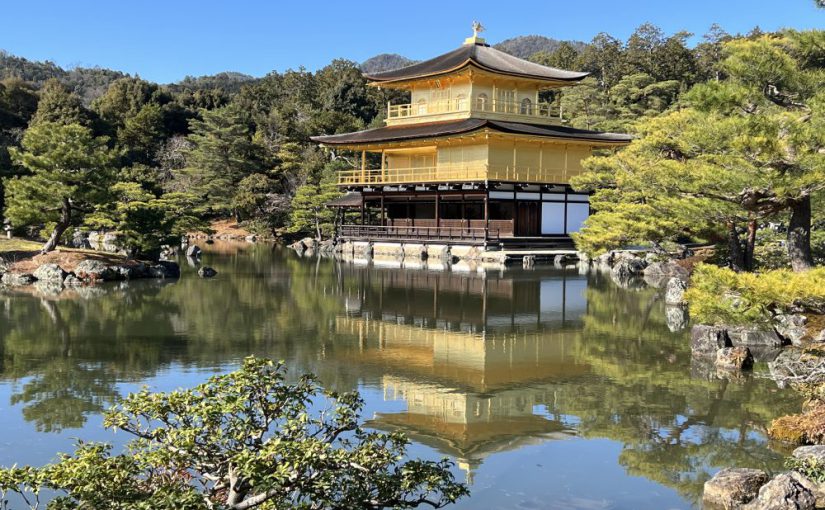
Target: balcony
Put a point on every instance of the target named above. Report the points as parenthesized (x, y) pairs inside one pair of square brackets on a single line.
[(452, 173), (526, 111)]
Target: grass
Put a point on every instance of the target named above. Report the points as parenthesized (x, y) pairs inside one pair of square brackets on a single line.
[(18, 245)]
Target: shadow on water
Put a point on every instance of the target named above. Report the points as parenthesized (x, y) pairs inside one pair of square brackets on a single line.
[(489, 367)]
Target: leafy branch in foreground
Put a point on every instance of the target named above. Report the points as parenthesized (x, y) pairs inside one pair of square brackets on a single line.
[(243, 440)]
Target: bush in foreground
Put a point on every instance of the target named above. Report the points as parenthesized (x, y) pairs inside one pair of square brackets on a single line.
[(240, 441)]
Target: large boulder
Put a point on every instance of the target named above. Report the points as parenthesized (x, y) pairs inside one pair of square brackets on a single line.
[(50, 273), (193, 252), (734, 358), (17, 279), (733, 487), (815, 452), (132, 271), (783, 493), (675, 291), (792, 327), (95, 271), (817, 489), (164, 269), (706, 340), (754, 336), (628, 267), (658, 273), (80, 240)]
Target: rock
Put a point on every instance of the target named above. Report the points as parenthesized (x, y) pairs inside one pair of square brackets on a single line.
[(80, 240), (658, 273), (820, 337), (251, 238), (706, 340), (676, 318), (748, 336), (164, 269), (733, 487), (71, 280), (605, 259), (528, 261), (783, 493), (628, 267), (193, 252), (50, 273), (734, 358), (817, 489), (787, 366), (327, 247), (207, 272), (17, 279), (132, 271), (563, 260), (94, 270), (792, 328), (816, 452), (675, 291), (210, 241)]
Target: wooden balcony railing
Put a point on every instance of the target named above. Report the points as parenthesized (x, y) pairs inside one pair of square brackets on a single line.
[(422, 109), (451, 173)]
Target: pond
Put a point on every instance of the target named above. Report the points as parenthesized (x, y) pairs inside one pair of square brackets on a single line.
[(549, 388)]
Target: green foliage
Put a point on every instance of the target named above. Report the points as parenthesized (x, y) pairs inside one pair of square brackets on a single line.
[(60, 106), (145, 222), (810, 467), (309, 211), (222, 154), (69, 174), (243, 440), (722, 296)]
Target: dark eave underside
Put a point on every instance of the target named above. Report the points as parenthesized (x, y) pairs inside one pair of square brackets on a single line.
[(482, 56), (458, 127)]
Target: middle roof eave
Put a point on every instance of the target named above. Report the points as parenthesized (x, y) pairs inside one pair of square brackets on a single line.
[(457, 127)]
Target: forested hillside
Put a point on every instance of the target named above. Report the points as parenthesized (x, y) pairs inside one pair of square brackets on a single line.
[(231, 145)]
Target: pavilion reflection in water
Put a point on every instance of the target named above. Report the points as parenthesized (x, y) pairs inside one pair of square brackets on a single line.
[(475, 356)]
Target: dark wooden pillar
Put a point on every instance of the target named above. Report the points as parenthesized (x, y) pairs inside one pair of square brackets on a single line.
[(486, 215), (383, 214), (437, 207), (362, 208)]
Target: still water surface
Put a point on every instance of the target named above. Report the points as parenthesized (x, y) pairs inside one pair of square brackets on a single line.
[(549, 388)]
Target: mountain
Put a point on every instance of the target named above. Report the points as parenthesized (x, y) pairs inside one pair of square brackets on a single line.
[(525, 46), (385, 62), (86, 82)]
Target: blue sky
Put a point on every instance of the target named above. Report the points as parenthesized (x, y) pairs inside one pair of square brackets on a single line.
[(166, 40)]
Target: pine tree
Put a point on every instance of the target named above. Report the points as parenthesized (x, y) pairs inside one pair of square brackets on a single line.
[(58, 105), (70, 173)]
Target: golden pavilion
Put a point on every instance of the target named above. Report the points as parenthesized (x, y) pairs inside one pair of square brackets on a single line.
[(475, 157)]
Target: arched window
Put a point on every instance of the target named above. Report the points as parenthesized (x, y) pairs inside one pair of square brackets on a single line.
[(483, 102), (526, 107), (461, 102), (422, 107)]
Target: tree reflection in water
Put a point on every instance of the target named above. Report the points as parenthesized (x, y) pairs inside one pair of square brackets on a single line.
[(482, 362)]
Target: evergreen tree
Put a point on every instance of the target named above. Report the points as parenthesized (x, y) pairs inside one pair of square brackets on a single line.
[(309, 211), (222, 154), (70, 172), (58, 105)]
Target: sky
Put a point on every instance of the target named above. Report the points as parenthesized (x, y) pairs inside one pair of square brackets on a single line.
[(164, 41)]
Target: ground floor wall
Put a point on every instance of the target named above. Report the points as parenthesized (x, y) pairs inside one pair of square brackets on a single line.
[(506, 211)]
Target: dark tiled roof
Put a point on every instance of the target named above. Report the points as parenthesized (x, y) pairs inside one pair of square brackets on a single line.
[(456, 127), (482, 56)]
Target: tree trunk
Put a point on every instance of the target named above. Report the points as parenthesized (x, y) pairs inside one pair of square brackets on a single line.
[(62, 224), (737, 262), (750, 244), (799, 235)]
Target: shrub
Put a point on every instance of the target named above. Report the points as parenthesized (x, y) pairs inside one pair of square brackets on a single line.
[(721, 296), (243, 440)]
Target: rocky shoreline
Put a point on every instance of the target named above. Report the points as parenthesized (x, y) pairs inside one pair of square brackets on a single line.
[(54, 278)]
